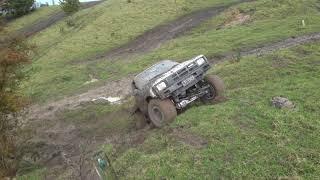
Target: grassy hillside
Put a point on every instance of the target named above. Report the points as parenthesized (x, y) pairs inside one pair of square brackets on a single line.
[(246, 136), (95, 30), (32, 18), (55, 71), (270, 21)]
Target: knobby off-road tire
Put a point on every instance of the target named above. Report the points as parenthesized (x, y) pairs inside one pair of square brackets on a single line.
[(217, 89), (161, 112)]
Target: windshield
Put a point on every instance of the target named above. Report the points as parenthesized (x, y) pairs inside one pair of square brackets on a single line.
[(143, 78)]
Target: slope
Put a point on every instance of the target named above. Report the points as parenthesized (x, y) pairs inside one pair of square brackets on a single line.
[(56, 62)]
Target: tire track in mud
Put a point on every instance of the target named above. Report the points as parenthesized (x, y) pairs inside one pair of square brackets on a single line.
[(154, 38), (268, 48), (52, 19)]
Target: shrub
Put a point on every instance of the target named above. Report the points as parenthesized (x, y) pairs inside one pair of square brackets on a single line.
[(70, 6), (13, 54), (18, 7)]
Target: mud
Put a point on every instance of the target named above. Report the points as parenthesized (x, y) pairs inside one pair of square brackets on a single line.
[(45, 23), (119, 88)]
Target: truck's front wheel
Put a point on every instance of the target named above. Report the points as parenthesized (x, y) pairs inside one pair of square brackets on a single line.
[(161, 112), (217, 88)]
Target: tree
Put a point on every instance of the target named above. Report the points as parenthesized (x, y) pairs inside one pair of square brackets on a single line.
[(70, 6), (13, 55), (18, 7)]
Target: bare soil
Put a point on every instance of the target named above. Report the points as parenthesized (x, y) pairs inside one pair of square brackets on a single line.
[(117, 88), (45, 23)]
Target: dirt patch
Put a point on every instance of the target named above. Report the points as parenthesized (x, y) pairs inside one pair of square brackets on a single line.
[(45, 23), (155, 37), (67, 147), (189, 138), (236, 18)]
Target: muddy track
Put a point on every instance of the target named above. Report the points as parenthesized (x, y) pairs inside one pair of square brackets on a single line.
[(268, 48), (152, 39), (45, 23)]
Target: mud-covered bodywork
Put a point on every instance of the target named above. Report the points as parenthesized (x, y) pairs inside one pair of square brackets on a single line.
[(179, 82)]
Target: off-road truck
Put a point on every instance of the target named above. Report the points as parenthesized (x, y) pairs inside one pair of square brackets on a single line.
[(167, 87)]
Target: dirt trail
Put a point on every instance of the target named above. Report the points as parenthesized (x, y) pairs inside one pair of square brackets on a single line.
[(118, 88), (153, 38), (269, 48), (45, 23)]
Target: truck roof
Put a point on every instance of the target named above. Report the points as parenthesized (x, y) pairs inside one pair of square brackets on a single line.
[(144, 77)]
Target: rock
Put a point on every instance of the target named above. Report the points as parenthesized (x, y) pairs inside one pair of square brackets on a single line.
[(107, 100), (91, 81), (281, 102), (100, 100)]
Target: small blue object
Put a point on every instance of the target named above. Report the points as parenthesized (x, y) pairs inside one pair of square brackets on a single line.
[(102, 163)]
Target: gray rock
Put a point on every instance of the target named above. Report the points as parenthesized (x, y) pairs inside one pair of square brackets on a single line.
[(281, 102)]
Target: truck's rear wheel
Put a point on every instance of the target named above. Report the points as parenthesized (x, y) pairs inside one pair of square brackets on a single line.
[(217, 89), (161, 112)]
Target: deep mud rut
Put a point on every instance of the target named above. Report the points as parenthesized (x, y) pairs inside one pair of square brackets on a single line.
[(45, 23)]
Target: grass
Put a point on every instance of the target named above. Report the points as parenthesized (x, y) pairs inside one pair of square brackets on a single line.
[(210, 39), (94, 30), (247, 137), (32, 18), (38, 174), (105, 27)]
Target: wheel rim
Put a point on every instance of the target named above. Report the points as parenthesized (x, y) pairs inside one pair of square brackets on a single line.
[(157, 115), (211, 94)]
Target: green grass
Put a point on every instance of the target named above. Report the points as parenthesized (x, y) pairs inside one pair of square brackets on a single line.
[(247, 137), (34, 175), (95, 30), (267, 25), (33, 17), (104, 27)]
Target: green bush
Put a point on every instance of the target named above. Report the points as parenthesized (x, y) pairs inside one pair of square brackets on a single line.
[(70, 6), (18, 7)]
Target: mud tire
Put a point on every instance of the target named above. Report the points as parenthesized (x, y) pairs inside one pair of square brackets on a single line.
[(161, 112), (218, 89)]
